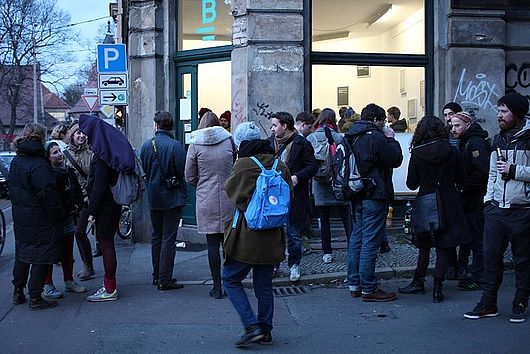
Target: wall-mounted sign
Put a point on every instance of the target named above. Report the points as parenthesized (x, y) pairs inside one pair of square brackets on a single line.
[(185, 109), (113, 97), (343, 96)]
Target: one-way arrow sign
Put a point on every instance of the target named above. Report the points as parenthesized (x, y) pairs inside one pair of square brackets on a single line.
[(113, 97)]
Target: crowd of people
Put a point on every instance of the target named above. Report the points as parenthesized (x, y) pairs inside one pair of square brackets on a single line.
[(61, 185)]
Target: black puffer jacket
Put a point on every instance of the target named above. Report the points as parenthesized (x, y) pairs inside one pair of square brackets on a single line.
[(475, 152), (437, 161), (377, 156), (38, 212)]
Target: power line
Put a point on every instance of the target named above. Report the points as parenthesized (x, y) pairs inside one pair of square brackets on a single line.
[(82, 22)]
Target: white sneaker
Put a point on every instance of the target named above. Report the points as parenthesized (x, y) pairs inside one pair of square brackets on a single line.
[(327, 258), (50, 291), (72, 286), (295, 273)]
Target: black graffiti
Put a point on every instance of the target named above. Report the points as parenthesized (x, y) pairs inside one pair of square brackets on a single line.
[(262, 111), (517, 76)]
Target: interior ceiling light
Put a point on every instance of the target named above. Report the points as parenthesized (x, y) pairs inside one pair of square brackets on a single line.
[(384, 13)]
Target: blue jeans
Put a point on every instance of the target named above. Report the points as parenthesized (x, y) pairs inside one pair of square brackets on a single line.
[(165, 227), (365, 240), (233, 274), (294, 243)]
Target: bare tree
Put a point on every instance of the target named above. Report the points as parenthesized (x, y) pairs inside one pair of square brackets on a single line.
[(30, 30)]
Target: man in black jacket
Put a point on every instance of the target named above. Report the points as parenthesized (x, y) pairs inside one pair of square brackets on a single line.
[(299, 156), (377, 153), (163, 160), (474, 151)]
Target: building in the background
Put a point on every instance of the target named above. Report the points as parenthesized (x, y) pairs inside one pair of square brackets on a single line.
[(255, 57)]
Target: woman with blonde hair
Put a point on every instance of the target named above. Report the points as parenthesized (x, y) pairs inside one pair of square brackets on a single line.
[(209, 161), (38, 216)]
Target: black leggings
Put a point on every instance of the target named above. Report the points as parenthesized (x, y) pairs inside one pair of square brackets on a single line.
[(214, 259), (445, 257), (325, 227)]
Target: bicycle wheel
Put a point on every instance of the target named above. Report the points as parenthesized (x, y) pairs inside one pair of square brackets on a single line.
[(125, 225), (2, 231)]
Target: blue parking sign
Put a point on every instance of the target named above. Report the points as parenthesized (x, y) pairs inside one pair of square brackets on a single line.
[(112, 58)]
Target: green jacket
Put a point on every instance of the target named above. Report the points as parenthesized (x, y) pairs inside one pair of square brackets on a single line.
[(242, 244)]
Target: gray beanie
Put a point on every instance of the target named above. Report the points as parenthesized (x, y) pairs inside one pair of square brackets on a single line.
[(246, 131)]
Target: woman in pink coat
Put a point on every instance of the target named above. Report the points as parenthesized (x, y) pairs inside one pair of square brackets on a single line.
[(209, 161)]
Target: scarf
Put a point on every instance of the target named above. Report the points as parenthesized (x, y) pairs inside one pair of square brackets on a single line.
[(108, 143), (282, 146)]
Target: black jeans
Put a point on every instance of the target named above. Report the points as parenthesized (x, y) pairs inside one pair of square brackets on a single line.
[(325, 227), (21, 272), (503, 226), (475, 224), (165, 228), (444, 258)]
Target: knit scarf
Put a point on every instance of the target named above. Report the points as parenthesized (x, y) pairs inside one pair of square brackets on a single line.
[(282, 146)]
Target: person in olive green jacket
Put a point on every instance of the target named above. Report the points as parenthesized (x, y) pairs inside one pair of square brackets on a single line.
[(247, 249)]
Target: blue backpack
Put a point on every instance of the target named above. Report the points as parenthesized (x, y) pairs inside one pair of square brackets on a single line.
[(269, 206)]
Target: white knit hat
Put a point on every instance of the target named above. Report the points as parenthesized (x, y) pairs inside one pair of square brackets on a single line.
[(246, 131)]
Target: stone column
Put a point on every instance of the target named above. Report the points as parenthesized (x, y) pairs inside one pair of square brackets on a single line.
[(267, 60), (470, 61), (518, 53), (150, 46)]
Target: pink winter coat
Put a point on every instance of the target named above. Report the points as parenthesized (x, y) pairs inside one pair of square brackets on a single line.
[(208, 165)]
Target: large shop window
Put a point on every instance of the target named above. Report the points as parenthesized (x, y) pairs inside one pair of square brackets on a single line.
[(336, 86), (204, 24), (375, 26)]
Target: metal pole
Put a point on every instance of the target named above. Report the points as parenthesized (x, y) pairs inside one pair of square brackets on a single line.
[(35, 115)]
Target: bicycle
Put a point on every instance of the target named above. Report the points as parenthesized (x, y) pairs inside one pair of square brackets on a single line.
[(2, 231), (125, 225)]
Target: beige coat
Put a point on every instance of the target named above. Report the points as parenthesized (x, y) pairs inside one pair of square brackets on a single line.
[(82, 154), (208, 165)]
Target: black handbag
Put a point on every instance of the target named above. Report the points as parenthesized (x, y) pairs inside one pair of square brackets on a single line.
[(427, 214)]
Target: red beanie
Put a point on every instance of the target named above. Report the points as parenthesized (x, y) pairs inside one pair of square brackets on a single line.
[(226, 115)]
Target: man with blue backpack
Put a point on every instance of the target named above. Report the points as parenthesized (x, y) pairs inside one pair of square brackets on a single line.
[(298, 154), (261, 189)]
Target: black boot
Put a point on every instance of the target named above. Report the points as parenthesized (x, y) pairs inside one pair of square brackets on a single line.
[(217, 290), (415, 287), (437, 295), (39, 303), (252, 334), (18, 296)]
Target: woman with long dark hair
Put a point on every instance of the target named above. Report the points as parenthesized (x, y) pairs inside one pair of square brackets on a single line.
[(324, 140), (435, 164), (112, 154), (208, 166)]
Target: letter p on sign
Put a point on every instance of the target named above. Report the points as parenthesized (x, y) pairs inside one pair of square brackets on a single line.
[(112, 58)]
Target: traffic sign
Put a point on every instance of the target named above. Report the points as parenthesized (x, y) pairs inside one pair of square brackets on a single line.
[(111, 81), (91, 91), (90, 101), (112, 58), (108, 111), (113, 97)]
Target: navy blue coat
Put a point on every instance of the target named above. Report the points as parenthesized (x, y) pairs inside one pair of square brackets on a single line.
[(172, 157), (38, 212)]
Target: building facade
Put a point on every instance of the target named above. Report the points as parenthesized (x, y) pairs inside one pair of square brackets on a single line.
[(255, 57)]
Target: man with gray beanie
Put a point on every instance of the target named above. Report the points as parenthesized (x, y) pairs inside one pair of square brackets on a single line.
[(507, 210), (247, 249)]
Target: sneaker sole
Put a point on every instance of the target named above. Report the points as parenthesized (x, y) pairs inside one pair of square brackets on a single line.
[(74, 291), (103, 300), (517, 320), (476, 317), (380, 300), (42, 308), (55, 297)]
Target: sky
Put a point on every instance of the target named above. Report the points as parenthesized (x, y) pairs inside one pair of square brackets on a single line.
[(90, 33)]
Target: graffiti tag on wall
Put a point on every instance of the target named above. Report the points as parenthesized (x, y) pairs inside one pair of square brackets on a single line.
[(517, 77), (476, 91), (261, 110)]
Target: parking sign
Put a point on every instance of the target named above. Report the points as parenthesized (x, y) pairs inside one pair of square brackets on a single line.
[(112, 58)]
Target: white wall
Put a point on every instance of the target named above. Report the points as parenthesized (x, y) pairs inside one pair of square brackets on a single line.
[(214, 81)]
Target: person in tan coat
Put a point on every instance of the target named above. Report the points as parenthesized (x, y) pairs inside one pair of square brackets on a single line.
[(209, 161), (247, 249)]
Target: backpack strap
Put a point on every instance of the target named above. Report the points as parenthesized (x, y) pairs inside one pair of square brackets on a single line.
[(75, 164), (236, 217), (253, 158)]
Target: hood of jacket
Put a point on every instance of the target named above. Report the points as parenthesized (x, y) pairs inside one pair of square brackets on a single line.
[(474, 129), (523, 134), (29, 147), (209, 136), (361, 127), (433, 151)]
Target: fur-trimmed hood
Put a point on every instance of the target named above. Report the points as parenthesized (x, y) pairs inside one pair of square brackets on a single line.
[(209, 136)]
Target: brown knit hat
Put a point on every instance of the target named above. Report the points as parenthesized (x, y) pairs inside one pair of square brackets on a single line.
[(72, 130)]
